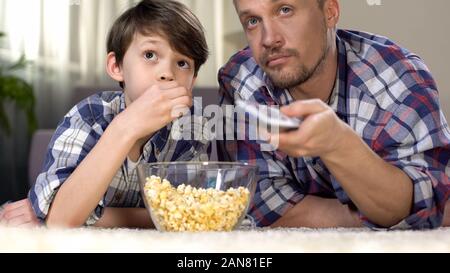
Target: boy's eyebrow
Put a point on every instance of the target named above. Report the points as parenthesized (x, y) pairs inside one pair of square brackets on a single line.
[(150, 41)]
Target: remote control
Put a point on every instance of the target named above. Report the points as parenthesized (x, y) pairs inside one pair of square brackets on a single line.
[(271, 117)]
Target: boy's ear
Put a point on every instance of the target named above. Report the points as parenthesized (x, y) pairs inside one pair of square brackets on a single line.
[(113, 68)]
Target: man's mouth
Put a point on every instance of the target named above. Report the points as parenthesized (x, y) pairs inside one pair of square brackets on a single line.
[(276, 60)]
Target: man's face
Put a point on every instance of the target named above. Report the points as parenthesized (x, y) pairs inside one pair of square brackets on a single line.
[(151, 60), (288, 38)]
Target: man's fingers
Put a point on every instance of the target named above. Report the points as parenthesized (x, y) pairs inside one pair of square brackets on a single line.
[(284, 141), (304, 108), (289, 142)]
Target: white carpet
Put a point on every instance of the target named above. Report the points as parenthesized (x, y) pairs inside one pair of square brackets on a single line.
[(258, 240)]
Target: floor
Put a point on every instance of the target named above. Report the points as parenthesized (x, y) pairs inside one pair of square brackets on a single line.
[(255, 240)]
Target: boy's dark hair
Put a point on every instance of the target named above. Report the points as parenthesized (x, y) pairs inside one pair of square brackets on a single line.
[(167, 18)]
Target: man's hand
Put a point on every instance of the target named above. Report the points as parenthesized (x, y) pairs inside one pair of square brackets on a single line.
[(317, 212), (321, 132), (380, 190), (155, 108), (19, 214)]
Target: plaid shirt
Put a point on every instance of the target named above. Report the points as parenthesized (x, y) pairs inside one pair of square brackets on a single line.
[(387, 96), (76, 136)]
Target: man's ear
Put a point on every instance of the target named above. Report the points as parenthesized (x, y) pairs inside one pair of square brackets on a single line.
[(113, 68), (332, 13)]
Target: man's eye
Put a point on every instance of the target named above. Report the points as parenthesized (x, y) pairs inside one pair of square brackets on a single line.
[(252, 22), (150, 55), (285, 10)]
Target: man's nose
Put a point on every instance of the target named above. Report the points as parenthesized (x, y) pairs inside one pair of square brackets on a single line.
[(271, 37)]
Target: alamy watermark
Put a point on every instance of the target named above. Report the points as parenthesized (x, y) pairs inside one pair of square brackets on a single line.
[(373, 2), (225, 122), (74, 2)]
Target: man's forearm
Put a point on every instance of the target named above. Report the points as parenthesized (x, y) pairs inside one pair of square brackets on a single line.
[(125, 217), (317, 212), (380, 190)]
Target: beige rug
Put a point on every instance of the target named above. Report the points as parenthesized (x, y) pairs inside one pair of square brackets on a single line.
[(257, 240)]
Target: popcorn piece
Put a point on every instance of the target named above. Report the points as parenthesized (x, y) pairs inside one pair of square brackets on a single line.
[(195, 209)]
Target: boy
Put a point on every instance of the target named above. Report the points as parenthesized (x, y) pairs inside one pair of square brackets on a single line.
[(89, 175)]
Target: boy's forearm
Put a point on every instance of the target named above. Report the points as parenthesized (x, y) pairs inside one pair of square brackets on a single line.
[(125, 217), (317, 212), (82, 191)]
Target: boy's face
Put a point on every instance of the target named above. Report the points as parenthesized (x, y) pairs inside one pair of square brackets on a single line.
[(150, 60)]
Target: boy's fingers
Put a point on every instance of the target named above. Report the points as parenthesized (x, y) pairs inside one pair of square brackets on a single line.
[(167, 85), (181, 106), (177, 92), (28, 225), (14, 213), (18, 221), (181, 101), (15, 205)]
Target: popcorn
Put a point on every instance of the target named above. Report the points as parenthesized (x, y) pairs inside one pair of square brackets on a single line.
[(186, 208)]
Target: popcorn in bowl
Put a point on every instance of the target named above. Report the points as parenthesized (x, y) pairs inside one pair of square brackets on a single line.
[(187, 208)]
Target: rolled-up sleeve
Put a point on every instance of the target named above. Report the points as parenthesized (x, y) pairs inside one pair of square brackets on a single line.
[(417, 141)]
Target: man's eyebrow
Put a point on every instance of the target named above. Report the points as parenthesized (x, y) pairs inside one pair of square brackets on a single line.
[(247, 12), (244, 13)]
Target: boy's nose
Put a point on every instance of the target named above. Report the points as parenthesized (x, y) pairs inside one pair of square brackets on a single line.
[(166, 77)]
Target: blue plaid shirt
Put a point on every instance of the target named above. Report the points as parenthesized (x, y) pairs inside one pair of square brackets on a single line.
[(77, 134), (387, 96)]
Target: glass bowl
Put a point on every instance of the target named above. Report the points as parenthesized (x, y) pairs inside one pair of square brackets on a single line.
[(197, 196)]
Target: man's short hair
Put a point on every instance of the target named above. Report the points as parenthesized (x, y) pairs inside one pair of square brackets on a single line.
[(167, 18), (320, 2)]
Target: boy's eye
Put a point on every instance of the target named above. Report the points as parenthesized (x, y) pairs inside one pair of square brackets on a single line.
[(150, 55), (183, 64)]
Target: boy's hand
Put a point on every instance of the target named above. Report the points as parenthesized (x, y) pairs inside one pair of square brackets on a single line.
[(156, 107), (19, 214)]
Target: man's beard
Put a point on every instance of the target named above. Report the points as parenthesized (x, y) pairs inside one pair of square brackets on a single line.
[(299, 74)]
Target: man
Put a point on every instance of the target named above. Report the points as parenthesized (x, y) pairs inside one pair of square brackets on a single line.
[(373, 148)]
